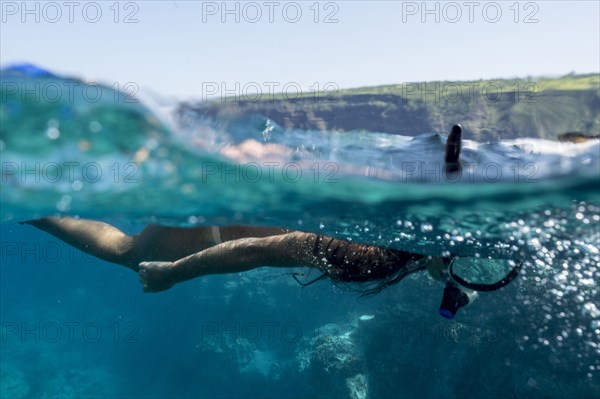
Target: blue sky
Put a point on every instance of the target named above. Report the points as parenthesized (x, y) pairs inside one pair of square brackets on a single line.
[(188, 48)]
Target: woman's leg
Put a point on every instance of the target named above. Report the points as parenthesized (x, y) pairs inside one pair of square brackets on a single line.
[(96, 238), (229, 233), (154, 243), (284, 250)]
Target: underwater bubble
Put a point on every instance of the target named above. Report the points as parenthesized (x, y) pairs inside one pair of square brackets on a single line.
[(587, 282), (591, 309), (64, 204), (426, 228), (95, 126), (53, 133), (77, 185)]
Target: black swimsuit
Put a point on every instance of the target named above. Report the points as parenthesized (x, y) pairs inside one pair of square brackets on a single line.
[(345, 261)]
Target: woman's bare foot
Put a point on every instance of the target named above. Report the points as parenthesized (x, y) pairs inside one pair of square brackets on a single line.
[(157, 276)]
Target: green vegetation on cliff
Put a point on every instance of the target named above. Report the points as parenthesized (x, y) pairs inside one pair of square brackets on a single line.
[(487, 109)]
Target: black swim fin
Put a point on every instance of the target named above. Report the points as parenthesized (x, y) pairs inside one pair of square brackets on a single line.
[(453, 146)]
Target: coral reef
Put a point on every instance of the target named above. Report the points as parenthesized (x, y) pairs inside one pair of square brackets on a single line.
[(335, 355), (13, 384), (78, 383), (358, 386), (335, 362), (244, 355)]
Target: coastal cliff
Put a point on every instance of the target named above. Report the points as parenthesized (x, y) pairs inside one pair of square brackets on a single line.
[(487, 110)]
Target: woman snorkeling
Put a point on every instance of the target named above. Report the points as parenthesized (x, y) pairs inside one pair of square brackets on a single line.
[(164, 256)]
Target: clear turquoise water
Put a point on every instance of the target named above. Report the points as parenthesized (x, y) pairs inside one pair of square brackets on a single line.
[(74, 326)]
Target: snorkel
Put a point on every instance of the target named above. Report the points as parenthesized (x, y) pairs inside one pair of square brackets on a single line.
[(455, 296), (453, 147), (459, 292)]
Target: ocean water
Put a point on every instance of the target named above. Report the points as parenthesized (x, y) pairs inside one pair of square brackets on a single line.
[(73, 326)]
